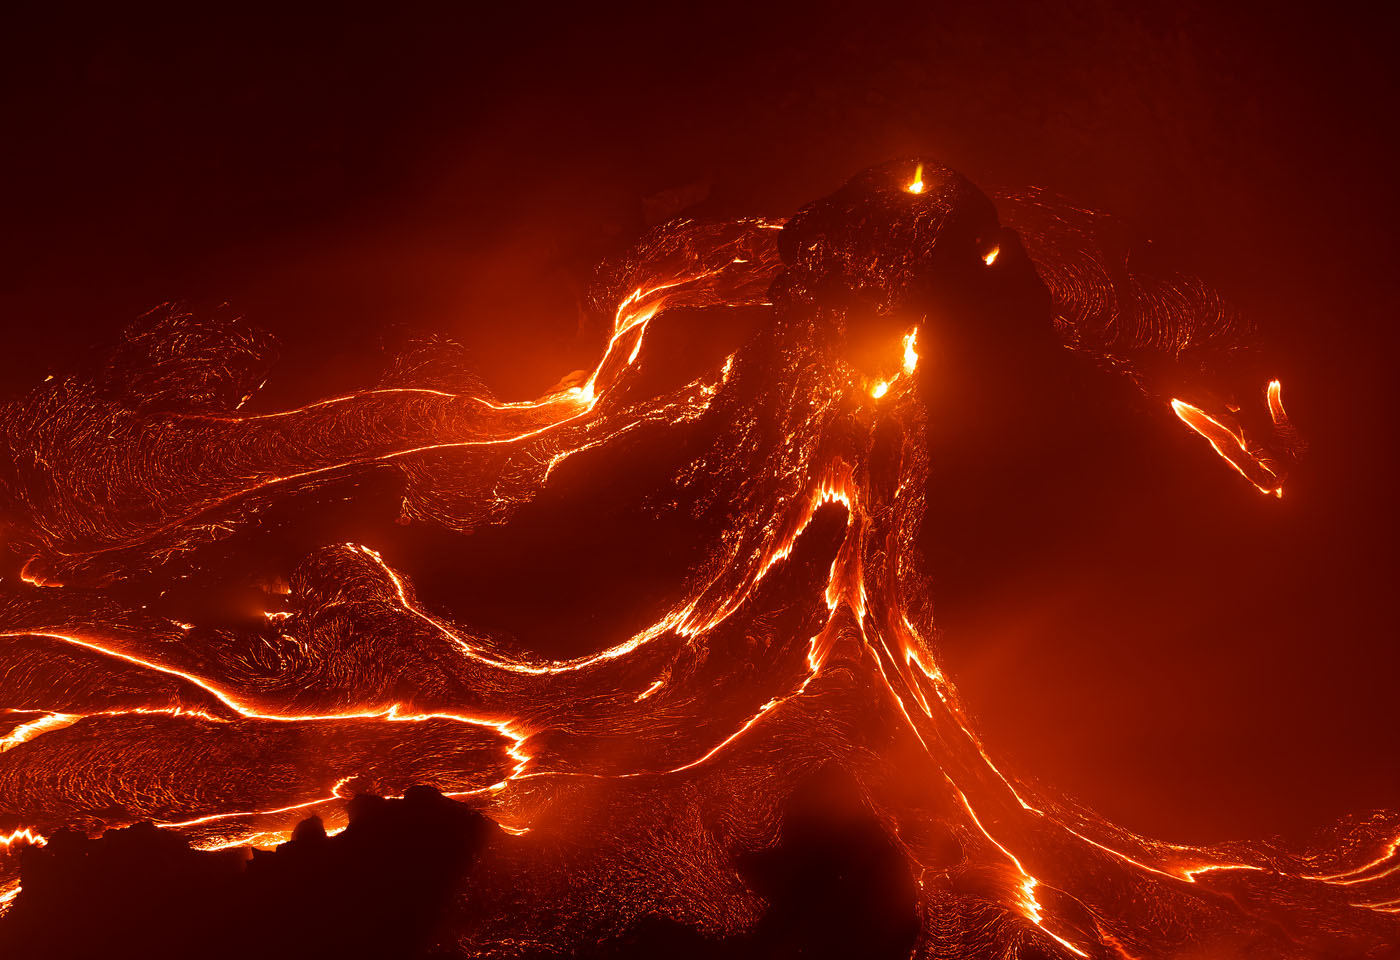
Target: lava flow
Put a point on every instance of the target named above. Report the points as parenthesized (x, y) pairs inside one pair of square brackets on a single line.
[(764, 406)]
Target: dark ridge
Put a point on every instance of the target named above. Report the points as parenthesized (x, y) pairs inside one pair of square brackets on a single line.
[(379, 888), (836, 884)]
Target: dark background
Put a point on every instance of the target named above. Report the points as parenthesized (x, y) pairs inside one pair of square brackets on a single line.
[(1223, 669)]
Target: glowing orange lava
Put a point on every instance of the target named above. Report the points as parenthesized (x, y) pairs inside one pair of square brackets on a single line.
[(802, 635), (1231, 444)]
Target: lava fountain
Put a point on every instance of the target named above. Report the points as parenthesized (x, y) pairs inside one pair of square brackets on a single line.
[(766, 409)]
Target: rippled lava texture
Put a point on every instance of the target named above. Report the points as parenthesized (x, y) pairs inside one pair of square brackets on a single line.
[(753, 751)]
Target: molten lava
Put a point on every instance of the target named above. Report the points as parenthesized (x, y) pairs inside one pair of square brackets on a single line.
[(1231, 445), (799, 636)]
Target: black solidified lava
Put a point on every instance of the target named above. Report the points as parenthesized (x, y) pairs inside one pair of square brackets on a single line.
[(379, 888)]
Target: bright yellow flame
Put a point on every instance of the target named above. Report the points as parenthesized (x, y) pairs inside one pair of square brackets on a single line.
[(881, 388), (991, 256), (911, 355), (917, 184)]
